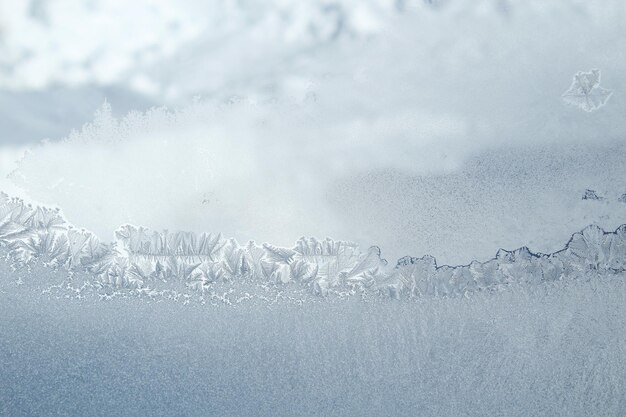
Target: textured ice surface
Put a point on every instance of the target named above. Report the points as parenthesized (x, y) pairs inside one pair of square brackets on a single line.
[(209, 268), (556, 350), (445, 123), (92, 53), (549, 345), (77, 47), (274, 173), (154, 42), (424, 127), (171, 323)]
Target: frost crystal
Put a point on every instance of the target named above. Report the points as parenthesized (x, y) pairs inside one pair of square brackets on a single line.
[(140, 260), (585, 91)]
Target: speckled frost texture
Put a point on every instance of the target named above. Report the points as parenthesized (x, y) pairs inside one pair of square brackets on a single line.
[(208, 267), (435, 127), (196, 324)]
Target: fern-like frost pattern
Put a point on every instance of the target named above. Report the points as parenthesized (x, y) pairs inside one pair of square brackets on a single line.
[(585, 91), (142, 260)]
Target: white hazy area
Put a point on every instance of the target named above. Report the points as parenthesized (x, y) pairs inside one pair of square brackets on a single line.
[(421, 127)]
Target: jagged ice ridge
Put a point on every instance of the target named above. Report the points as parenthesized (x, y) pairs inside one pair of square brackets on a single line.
[(145, 262)]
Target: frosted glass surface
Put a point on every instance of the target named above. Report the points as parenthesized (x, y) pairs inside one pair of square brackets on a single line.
[(312, 207)]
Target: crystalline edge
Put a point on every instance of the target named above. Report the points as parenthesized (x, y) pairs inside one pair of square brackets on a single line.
[(139, 258)]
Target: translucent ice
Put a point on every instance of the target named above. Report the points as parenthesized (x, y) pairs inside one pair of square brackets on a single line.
[(585, 91)]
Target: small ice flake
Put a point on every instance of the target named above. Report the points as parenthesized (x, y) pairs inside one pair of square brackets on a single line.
[(585, 91)]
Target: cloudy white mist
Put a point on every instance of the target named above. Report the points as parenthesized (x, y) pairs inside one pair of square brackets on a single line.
[(443, 125)]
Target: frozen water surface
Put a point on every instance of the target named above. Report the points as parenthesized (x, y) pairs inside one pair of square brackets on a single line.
[(381, 207)]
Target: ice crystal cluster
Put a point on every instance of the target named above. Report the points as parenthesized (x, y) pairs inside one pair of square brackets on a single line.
[(585, 91), (196, 324), (148, 262)]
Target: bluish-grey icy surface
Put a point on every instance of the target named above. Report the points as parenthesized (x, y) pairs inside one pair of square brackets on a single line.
[(170, 172)]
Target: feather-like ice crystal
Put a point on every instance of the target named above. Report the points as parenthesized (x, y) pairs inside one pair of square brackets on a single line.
[(141, 260), (586, 93)]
